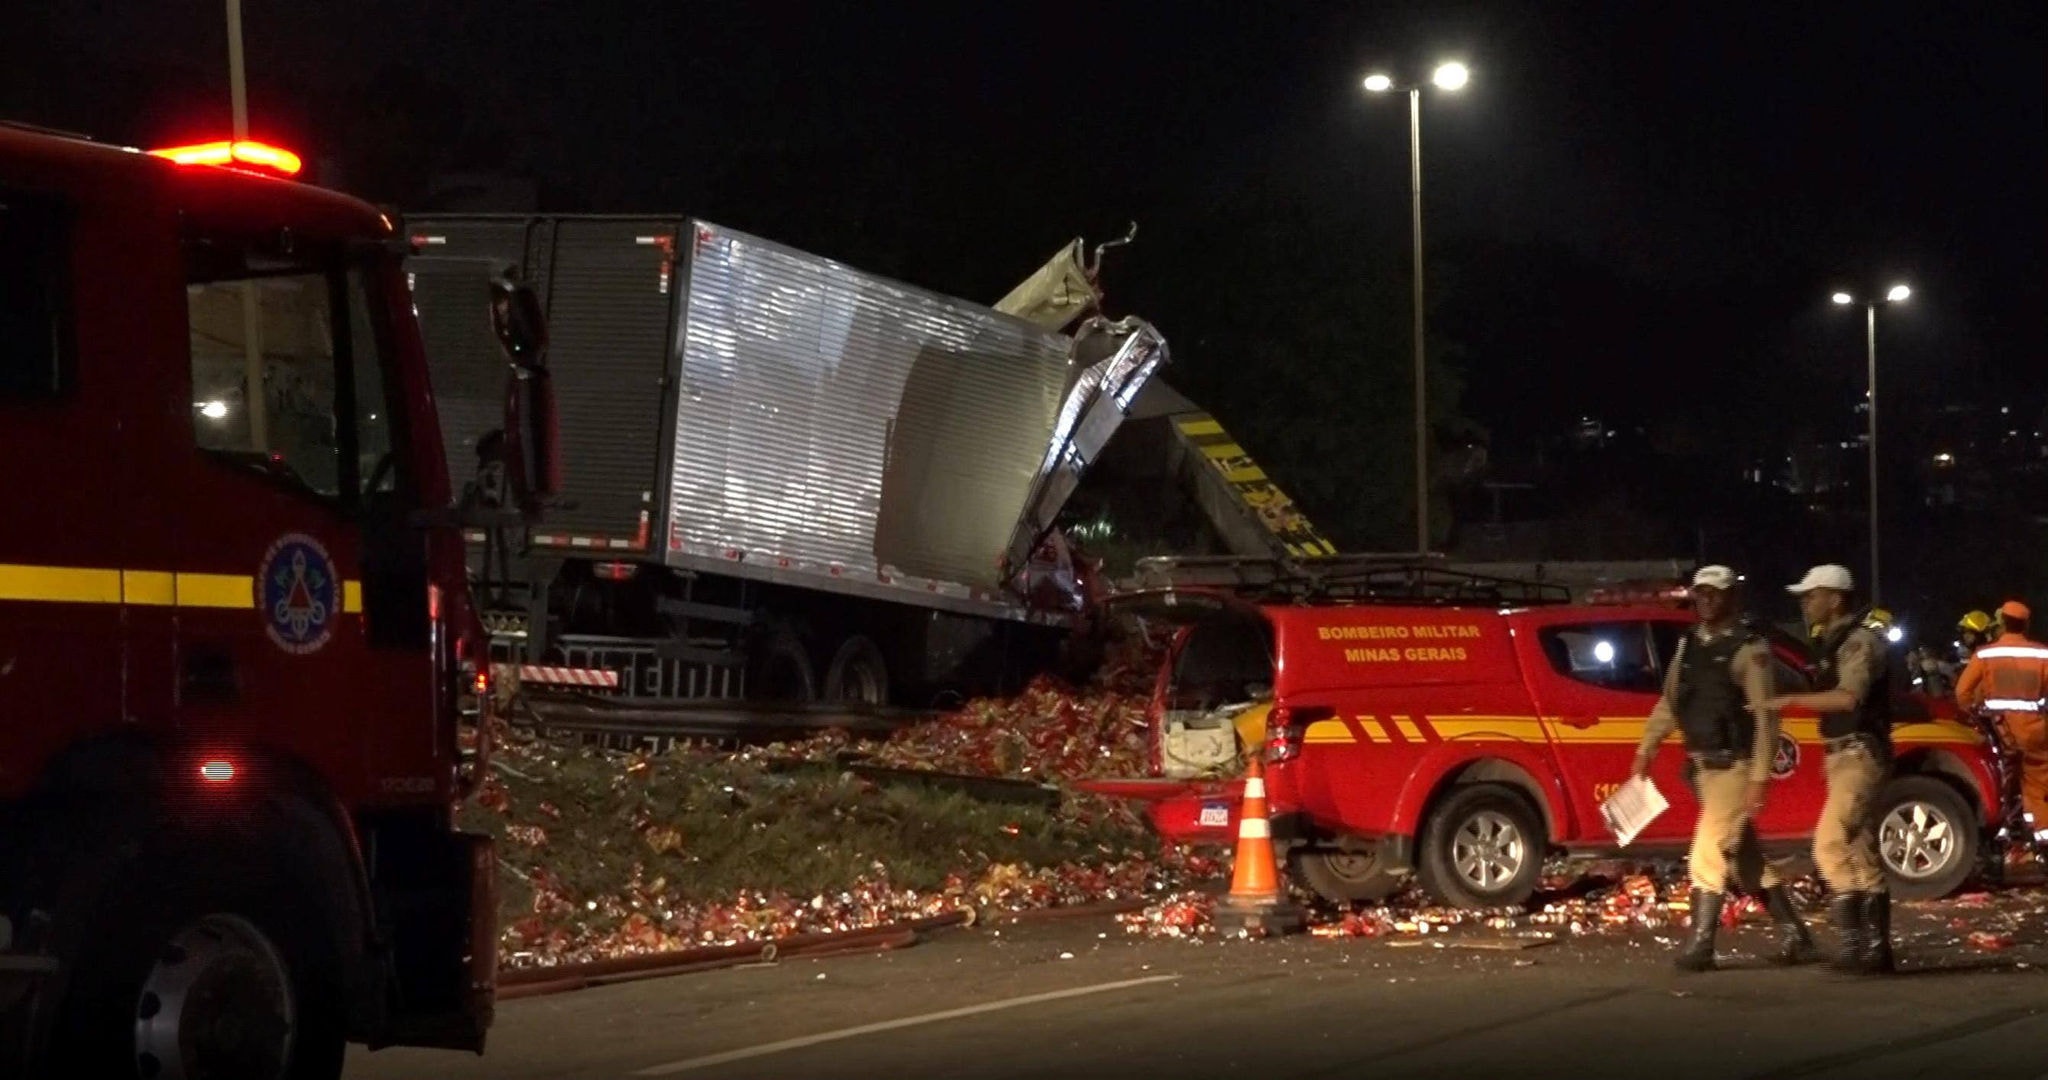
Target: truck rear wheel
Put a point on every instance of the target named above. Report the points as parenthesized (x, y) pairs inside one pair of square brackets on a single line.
[(1482, 847), (1926, 837), (1346, 876), (204, 970), (858, 674), (781, 670)]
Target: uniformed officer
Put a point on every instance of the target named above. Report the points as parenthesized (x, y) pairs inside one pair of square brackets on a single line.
[(1853, 698), (1717, 694), (2008, 678)]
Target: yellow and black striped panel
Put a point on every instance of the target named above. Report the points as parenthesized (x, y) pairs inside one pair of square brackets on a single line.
[(1260, 494)]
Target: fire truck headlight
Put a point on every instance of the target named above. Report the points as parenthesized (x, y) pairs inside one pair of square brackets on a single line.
[(1895, 635), (1604, 652)]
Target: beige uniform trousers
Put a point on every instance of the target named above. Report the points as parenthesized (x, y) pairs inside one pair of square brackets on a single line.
[(1845, 840), (1722, 835)]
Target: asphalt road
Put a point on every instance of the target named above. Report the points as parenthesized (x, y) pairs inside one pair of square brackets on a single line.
[(1080, 1000)]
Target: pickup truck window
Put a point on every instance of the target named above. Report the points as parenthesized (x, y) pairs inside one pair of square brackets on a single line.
[(1223, 662), (1610, 655), (35, 268)]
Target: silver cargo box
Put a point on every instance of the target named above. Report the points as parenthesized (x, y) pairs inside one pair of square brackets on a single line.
[(816, 425)]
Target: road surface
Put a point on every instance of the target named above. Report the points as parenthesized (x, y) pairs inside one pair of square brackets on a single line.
[(1081, 999)]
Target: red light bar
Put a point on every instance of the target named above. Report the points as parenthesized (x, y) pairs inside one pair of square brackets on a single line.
[(244, 152)]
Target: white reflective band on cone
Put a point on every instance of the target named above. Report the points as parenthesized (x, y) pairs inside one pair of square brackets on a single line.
[(1999, 704), (2023, 652), (1254, 828), (1254, 788)]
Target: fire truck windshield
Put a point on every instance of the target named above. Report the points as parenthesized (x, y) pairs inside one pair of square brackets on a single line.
[(303, 333)]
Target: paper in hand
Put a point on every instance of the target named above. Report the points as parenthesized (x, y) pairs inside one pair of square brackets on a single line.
[(1632, 807)]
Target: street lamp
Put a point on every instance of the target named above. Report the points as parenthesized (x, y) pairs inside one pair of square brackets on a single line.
[(1893, 296), (1449, 76)]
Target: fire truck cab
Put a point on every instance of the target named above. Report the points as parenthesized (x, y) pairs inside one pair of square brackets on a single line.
[(235, 634), (1460, 729)]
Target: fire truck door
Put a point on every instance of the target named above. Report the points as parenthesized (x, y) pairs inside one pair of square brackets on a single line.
[(286, 483)]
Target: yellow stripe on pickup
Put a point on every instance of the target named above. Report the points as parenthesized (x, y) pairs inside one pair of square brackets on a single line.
[(1515, 728), (1328, 731), (141, 588)]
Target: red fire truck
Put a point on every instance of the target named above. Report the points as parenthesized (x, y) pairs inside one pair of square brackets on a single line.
[(235, 635), (1458, 728)]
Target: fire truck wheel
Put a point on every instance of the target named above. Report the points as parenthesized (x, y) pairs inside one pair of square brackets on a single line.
[(206, 969), (1926, 836), (1343, 876), (858, 673), (1482, 846)]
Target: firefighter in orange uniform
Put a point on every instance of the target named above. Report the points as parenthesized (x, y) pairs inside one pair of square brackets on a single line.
[(2008, 679)]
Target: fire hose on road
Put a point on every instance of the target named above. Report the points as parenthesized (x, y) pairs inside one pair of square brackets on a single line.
[(534, 982)]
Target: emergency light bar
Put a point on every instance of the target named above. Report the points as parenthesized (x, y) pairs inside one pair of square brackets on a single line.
[(233, 153)]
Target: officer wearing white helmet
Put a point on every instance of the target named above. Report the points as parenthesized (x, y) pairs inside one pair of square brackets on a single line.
[(1853, 697)]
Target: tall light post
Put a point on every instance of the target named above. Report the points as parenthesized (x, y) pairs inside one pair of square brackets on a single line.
[(1895, 295), (1449, 76)]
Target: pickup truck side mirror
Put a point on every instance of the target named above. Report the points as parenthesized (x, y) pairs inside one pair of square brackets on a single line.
[(531, 449)]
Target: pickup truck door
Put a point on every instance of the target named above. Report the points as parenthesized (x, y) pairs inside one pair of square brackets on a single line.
[(1594, 678)]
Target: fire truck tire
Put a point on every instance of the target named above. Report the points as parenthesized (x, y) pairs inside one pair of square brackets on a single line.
[(1344, 876), (858, 674), (1927, 837), (1482, 846), (192, 941), (782, 670)]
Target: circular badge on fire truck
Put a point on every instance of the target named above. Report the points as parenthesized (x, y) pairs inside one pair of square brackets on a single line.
[(298, 593), (1785, 759)]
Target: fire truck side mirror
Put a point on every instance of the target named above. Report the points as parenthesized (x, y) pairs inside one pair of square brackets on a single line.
[(532, 462)]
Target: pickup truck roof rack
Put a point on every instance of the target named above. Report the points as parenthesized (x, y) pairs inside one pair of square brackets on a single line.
[(1372, 578)]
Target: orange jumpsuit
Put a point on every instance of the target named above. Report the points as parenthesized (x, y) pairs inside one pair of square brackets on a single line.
[(2009, 679)]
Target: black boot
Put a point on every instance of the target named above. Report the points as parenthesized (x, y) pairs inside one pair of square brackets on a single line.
[(1876, 957), (1795, 945), (1848, 915), (1706, 919)]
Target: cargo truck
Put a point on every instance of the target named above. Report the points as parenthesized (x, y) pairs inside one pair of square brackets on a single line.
[(784, 480)]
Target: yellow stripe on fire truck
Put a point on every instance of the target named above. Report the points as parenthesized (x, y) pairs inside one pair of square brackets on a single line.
[(141, 588)]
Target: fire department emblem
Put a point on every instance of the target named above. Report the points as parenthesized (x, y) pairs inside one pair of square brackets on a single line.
[(1785, 759), (298, 593)]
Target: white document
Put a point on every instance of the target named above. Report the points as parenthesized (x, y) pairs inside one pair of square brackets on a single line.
[(1632, 807)]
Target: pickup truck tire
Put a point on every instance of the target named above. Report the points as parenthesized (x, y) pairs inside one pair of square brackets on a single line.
[(1927, 837), (1346, 876), (1481, 847), (858, 674), (209, 958)]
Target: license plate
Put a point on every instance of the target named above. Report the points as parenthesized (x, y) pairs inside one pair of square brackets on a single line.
[(1215, 815)]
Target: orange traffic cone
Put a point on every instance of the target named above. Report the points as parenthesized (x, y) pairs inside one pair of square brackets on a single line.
[(1257, 903)]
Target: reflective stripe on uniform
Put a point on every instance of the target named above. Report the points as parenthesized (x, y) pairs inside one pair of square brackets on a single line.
[(2015, 652), (2011, 705)]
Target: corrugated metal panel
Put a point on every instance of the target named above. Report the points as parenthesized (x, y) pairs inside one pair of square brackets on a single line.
[(610, 306), (831, 420), (451, 292)]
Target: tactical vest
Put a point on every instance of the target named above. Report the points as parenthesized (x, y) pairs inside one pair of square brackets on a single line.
[(1713, 713), (1874, 715)]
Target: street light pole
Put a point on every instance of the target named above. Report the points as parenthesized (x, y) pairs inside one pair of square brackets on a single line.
[(1896, 294), (1870, 336), (1451, 76), (1421, 369)]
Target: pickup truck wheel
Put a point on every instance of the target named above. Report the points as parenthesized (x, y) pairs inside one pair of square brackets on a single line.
[(858, 673), (1346, 876), (1926, 836), (1482, 847)]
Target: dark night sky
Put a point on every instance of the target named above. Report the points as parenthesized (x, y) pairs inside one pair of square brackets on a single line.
[(1709, 170)]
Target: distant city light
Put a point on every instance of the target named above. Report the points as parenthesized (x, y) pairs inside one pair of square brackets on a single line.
[(1895, 635), (1844, 298), (214, 410), (1378, 84)]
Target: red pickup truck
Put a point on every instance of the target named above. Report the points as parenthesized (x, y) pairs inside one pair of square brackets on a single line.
[(1419, 721)]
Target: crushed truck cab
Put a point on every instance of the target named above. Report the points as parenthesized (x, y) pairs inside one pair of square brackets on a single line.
[(1458, 728)]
